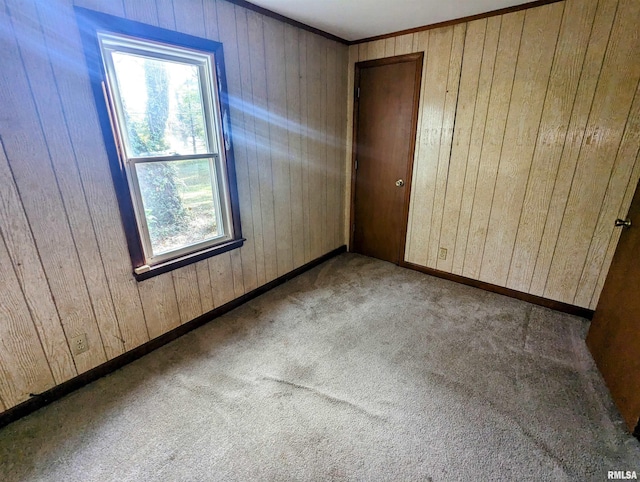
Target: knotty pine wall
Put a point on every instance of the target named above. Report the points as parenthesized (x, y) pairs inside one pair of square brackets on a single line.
[(527, 147), (64, 265)]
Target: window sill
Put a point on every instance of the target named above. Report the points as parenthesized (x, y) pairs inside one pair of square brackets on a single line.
[(188, 259)]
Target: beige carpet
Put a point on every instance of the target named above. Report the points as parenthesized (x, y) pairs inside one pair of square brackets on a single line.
[(356, 370)]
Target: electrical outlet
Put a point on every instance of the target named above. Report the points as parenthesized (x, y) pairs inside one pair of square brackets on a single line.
[(79, 344), (442, 253)]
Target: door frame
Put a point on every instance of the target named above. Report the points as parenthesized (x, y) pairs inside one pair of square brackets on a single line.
[(413, 57)]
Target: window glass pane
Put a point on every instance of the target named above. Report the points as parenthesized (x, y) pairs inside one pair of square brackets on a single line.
[(178, 200), (162, 106)]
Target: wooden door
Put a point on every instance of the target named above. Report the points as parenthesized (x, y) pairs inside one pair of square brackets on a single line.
[(386, 114), (614, 335)]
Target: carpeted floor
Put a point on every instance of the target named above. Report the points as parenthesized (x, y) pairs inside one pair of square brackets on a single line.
[(356, 370)]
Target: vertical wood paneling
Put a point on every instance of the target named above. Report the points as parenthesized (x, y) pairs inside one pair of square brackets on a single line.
[(473, 47), (263, 146), (23, 365), (404, 44), (389, 47), (204, 285), (615, 236), (504, 70), (446, 138), (292, 74), (560, 97), (323, 145), (485, 82), (415, 231), (348, 160), (185, 281), (160, 305), (544, 146), (30, 160), (343, 130), (612, 101), (305, 143), (621, 173), (315, 150), (221, 279), (229, 37), (43, 88), (582, 105), (535, 57), (247, 137), (332, 191), (61, 233), (280, 162), (30, 273), (68, 64)]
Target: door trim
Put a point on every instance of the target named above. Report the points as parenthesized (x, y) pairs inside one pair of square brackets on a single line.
[(417, 57)]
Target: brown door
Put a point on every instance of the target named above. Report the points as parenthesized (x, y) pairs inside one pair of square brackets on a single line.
[(614, 335), (386, 113)]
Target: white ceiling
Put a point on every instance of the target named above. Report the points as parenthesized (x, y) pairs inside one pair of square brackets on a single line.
[(358, 19)]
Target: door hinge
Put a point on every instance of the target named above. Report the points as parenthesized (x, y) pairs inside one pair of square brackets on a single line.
[(353, 228), (357, 92), (356, 166)]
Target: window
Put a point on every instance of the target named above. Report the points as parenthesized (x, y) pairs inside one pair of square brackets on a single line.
[(163, 95)]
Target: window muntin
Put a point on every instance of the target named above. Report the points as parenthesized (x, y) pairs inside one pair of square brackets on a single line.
[(167, 120)]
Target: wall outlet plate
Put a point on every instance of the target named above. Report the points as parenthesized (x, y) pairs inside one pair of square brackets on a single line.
[(442, 253), (79, 344)]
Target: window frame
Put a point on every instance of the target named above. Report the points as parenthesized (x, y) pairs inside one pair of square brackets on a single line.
[(94, 24)]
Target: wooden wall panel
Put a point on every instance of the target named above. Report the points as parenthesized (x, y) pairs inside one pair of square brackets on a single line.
[(560, 97), (23, 365), (535, 57), (492, 142), (62, 238), (23, 139), (469, 77), (542, 151), (607, 119), (31, 276), (599, 38)]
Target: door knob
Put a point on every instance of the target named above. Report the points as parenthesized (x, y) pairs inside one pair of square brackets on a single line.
[(625, 223), (399, 183)]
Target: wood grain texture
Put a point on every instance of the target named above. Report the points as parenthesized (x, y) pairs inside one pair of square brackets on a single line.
[(23, 364), (485, 81), (247, 139), (615, 236), (621, 173), (446, 139), (160, 304), (542, 149), (499, 101), (404, 44), (66, 57), (64, 163), (185, 281), (31, 276), (611, 105), (229, 37), (263, 143), (560, 97), (294, 141), (415, 232), (28, 155), (535, 57), (59, 214), (469, 77), (591, 70), (278, 138)]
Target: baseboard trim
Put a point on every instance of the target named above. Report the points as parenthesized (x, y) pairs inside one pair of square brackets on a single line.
[(45, 398), (536, 300)]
